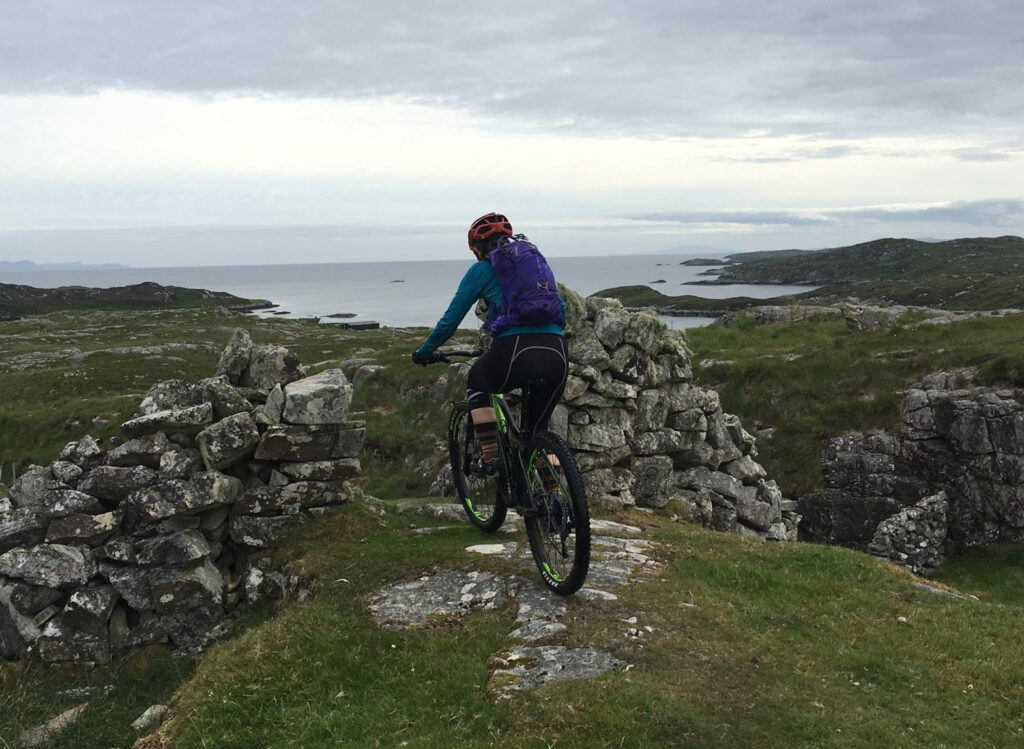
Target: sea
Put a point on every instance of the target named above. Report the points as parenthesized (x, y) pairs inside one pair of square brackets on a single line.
[(397, 293)]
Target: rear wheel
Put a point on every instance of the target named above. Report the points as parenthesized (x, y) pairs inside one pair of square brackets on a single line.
[(480, 492), (559, 524)]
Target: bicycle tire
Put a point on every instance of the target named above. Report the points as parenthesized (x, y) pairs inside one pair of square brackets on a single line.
[(481, 495), (559, 525)]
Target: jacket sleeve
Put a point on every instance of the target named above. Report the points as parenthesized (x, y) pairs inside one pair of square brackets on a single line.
[(470, 289)]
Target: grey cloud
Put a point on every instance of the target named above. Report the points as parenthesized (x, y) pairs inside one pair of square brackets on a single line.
[(756, 218), (998, 212), (655, 67), (981, 154)]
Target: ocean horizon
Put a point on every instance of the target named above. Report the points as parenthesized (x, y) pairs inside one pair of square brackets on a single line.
[(400, 293)]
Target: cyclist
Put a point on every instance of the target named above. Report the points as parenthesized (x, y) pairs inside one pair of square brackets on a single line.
[(533, 355)]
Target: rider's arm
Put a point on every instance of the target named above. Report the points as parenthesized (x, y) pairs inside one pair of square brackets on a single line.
[(470, 289)]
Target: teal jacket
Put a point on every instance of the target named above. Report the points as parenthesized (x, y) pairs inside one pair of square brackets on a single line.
[(478, 283)]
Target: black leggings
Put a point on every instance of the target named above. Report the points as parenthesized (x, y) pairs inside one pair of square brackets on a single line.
[(536, 362)]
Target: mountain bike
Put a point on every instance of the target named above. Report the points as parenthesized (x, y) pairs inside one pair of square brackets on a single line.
[(538, 477)]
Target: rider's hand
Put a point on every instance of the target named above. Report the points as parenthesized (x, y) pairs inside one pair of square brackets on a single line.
[(421, 360)]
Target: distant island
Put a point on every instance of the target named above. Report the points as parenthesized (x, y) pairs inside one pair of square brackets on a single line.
[(703, 261), (981, 273), (17, 300), (27, 266)]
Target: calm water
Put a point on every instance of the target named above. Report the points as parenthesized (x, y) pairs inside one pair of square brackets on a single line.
[(401, 294)]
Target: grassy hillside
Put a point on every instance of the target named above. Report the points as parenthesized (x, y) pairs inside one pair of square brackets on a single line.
[(813, 379), (967, 274), (750, 644), (17, 300)]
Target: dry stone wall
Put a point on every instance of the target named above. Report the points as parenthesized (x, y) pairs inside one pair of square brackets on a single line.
[(159, 537), (951, 478), (644, 433)]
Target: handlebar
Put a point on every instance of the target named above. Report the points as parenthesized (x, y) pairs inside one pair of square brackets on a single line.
[(440, 356)]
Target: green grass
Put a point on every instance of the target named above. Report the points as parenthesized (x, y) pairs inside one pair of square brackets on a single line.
[(791, 644), (815, 379)]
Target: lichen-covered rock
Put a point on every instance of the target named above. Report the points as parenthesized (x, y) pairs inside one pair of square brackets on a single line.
[(186, 420), (228, 441), (914, 537), (141, 451), (288, 499), (22, 527), (66, 472), (82, 528), (269, 366), (86, 453), (182, 463), (18, 632), (114, 483), (170, 395), (234, 360), (192, 592), (60, 642), (260, 532), (322, 470), (225, 398), (184, 547), (323, 398), (88, 609), (177, 497), (297, 443), (49, 565)]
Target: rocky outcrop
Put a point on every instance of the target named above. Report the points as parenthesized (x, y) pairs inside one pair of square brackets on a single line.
[(644, 433), (160, 538), (959, 440)]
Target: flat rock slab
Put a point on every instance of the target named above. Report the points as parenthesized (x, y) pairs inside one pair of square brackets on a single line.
[(494, 550), (444, 595), (518, 669)]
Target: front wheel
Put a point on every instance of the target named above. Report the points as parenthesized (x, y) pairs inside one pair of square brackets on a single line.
[(481, 493), (558, 524)]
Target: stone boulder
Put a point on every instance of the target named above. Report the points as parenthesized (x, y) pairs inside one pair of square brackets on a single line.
[(228, 441), (323, 398)]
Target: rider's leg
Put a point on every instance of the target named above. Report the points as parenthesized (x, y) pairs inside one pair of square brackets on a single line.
[(486, 426)]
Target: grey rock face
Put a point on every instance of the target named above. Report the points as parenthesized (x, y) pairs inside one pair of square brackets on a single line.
[(170, 395), (234, 360), (290, 498), (186, 420), (261, 532), (228, 441), (184, 547), (447, 593), (21, 528), (269, 366), (83, 528), (521, 668), (959, 439), (18, 632), (115, 483), (225, 398), (180, 464), (298, 444), (141, 451), (88, 609), (324, 470), (86, 453), (914, 537), (192, 592), (204, 491), (323, 398), (66, 472), (48, 565), (59, 642)]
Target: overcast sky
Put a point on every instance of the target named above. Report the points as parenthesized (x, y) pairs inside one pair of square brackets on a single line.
[(219, 132)]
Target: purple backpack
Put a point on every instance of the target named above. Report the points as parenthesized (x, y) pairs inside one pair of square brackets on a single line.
[(527, 285)]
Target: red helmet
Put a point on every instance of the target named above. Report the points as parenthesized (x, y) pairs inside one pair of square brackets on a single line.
[(488, 226)]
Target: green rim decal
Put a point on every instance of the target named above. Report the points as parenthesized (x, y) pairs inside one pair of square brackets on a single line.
[(554, 575)]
